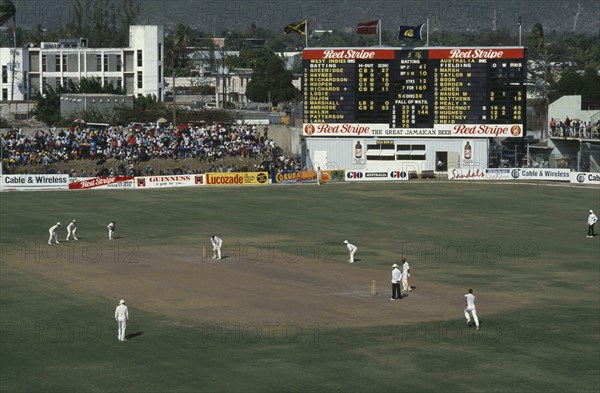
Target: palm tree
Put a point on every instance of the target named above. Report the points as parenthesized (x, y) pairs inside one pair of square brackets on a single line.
[(8, 11), (177, 45), (183, 36)]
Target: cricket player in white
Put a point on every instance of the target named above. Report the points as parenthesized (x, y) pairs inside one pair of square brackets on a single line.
[(111, 229), (53, 233), (591, 221), (216, 243), (319, 175), (352, 248), (121, 316), (470, 301), (71, 229), (405, 275)]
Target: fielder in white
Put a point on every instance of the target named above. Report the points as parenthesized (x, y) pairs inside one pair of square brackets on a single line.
[(319, 175), (71, 229), (53, 233), (121, 316), (352, 248), (216, 243), (591, 222), (111, 229), (405, 275), (470, 301)]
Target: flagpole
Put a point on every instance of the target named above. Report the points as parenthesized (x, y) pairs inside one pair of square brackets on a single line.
[(427, 32), (379, 28), (306, 34), (519, 23)]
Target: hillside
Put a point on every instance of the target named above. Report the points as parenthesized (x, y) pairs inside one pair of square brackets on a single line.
[(451, 15), (444, 16)]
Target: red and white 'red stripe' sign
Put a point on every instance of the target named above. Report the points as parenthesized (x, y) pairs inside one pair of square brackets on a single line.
[(97, 182)]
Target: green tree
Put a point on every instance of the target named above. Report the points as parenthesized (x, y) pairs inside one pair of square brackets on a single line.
[(270, 82), (177, 45), (535, 39), (8, 12), (104, 22), (47, 109)]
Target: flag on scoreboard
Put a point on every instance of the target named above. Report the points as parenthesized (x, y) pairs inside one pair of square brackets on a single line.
[(410, 32), (299, 28), (367, 27)]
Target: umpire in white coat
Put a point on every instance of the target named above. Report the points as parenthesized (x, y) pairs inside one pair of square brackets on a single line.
[(121, 316)]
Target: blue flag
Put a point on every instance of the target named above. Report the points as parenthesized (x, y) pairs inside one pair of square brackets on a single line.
[(410, 32)]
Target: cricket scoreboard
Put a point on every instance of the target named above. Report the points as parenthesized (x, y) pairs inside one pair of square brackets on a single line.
[(425, 92)]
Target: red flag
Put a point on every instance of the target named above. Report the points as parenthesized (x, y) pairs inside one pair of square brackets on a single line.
[(367, 27)]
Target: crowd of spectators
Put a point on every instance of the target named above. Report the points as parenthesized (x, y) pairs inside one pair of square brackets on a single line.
[(574, 128), (131, 146)]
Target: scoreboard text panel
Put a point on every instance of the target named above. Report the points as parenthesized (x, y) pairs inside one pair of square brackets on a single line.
[(475, 92)]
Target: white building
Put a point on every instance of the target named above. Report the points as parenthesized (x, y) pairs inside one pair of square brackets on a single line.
[(138, 68), (374, 154), (570, 106), (231, 87), (18, 71)]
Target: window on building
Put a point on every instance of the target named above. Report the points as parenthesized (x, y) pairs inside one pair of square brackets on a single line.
[(57, 63), (410, 152), (119, 63), (119, 83), (139, 58), (64, 63), (139, 80), (44, 83), (380, 151), (5, 94), (44, 63), (98, 62), (57, 83), (105, 63), (4, 74), (159, 52), (159, 74)]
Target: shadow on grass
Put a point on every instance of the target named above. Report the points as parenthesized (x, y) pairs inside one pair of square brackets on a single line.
[(133, 335)]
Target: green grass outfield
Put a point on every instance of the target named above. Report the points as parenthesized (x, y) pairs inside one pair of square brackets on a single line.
[(527, 241)]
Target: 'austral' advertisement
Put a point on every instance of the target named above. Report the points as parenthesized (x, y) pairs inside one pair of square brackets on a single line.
[(391, 175)]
